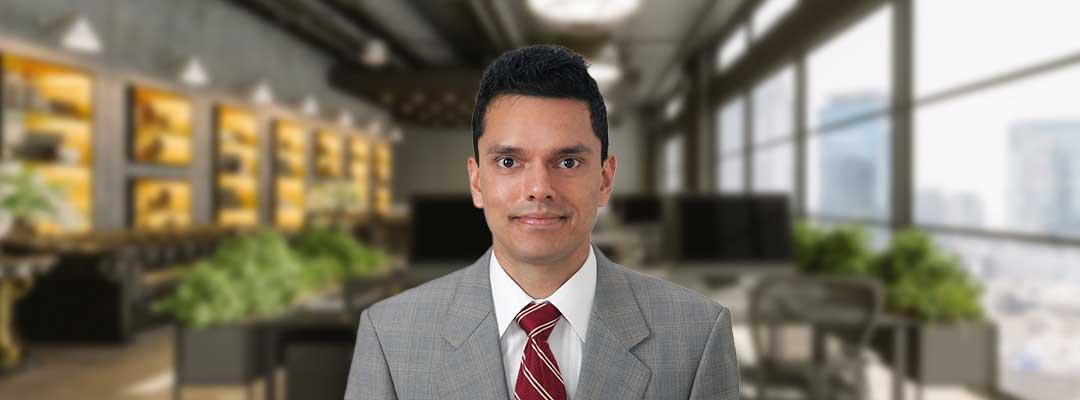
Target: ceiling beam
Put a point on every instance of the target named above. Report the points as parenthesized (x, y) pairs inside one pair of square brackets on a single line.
[(453, 19), (360, 17)]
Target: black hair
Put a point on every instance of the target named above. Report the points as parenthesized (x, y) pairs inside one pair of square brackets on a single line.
[(541, 71)]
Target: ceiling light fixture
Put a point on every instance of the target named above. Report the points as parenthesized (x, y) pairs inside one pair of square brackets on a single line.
[(584, 12)]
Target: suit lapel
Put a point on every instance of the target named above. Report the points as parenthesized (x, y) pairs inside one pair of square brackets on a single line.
[(474, 369), (609, 370)]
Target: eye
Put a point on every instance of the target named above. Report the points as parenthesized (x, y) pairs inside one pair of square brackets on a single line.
[(569, 163), (506, 162)]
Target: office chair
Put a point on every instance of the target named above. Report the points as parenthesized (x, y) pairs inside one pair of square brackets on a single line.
[(840, 309)]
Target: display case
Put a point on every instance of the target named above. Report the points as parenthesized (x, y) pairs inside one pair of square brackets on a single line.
[(360, 170), (328, 154), (161, 204), (290, 170), (48, 123), (383, 173), (160, 127), (237, 168)]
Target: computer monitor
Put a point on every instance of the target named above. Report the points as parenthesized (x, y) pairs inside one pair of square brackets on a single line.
[(636, 208), (447, 230), (728, 228)]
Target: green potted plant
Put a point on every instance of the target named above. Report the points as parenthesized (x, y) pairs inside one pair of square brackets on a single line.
[(362, 269), (249, 278), (26, 199), (949, 340), (218, 300), (841, 251)]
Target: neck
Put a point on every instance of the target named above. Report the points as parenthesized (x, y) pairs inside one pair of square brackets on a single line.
[(541, 279)]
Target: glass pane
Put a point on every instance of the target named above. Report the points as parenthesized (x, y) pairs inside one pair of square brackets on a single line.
[(731, 175), (774, 170), (1032, 292), (673, 161), (731, 126), (848, 171), (947, 55), (774, 107), (850, 75), (768, 13), (1006, 158), (733, 48)]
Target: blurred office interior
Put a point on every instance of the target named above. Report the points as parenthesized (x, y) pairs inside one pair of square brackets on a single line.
[(198, 198)]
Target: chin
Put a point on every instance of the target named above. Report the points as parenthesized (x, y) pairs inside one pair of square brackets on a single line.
[(537, 253)]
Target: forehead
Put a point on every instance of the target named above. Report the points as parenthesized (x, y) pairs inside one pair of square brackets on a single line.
[(537, 123)]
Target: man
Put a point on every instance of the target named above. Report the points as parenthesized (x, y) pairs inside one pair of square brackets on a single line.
[(543, 314)]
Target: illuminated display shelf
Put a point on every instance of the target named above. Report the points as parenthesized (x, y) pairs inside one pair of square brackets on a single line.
[(161, 127), (360, 169), (290, 182), (48, 124), (328, 154), (161, 204), (237, 167)]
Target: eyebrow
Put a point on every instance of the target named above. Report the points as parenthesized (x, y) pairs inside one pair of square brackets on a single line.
[(513, 150)]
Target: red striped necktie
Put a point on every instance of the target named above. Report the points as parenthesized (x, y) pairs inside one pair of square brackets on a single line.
[(539, 377)]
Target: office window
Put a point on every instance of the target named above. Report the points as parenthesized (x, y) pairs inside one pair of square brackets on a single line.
[(732, 48), (773, 169), (1032, 293), (768, 13), (731, 175), (961, 41), (774, 107), (856, 64), (848, 171), (1006, 158), (732, 128), (672, 172)]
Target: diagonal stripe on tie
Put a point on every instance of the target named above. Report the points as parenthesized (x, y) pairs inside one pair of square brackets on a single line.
[(539, 377)]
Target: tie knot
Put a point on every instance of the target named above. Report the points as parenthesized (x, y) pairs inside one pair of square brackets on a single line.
[(537, 320)]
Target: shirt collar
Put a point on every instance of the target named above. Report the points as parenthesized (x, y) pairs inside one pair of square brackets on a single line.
[(574, 298)]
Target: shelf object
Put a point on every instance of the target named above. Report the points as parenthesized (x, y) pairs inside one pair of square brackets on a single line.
[(237, 168), (328, 154), (161, 127), (48, 123), (383, 173), (290, 168), (360, 170), (161, 204)]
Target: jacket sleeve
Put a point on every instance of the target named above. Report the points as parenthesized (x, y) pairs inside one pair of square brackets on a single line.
[(718, 372), (369, 375)]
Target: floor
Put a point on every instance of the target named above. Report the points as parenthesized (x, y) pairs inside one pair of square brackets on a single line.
[(141, 370)]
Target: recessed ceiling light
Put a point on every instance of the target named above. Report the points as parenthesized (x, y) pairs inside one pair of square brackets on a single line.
[(584, 12)]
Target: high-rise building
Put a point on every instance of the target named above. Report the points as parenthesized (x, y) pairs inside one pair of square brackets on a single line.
[(853, 160), (1043, 191)]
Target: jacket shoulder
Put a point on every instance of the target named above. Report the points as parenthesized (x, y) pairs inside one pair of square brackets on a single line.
[(425, 302), (664, 301)]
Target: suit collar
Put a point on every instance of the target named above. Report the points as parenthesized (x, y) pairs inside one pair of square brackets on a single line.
[(471, 303), (615, 304), (609, 368)]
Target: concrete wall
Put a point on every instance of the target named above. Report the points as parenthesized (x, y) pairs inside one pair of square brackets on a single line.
[(144, 42), (152, 37)]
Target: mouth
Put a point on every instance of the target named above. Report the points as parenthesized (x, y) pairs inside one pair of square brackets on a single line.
[(540, 221)]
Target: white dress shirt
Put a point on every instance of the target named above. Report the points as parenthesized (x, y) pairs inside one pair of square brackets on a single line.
[(574, 299)]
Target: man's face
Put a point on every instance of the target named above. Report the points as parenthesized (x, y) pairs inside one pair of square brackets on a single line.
[(539, 177)]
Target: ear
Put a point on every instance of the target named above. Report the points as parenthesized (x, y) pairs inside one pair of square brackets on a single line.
[(607, 173), (474, 182)]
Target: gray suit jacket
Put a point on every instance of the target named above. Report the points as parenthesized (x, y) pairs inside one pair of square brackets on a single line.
[(647, 339)]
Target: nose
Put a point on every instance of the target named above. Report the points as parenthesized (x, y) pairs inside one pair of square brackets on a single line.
[(536, 183)]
